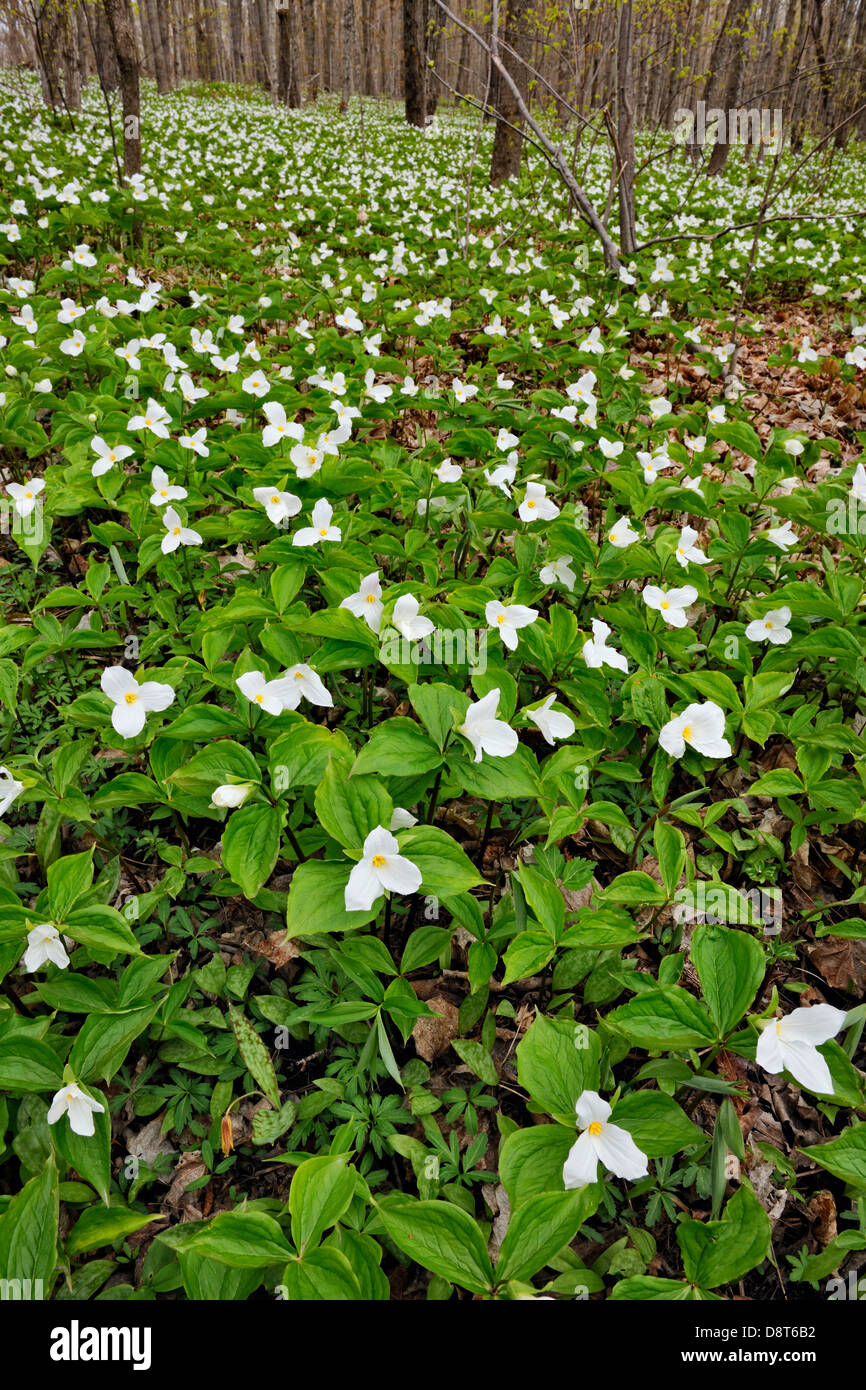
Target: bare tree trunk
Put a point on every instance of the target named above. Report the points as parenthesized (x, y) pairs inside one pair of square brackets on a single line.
[(149, 10), (48, 31), (119, 16), (508, 141), (72, 58), (413, 60), (726, 76), (236, 29), (349, 48), (288, 88), (625, 126), (267, 37)]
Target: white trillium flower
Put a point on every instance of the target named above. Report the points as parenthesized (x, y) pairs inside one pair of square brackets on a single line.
[(176, 533), (508, 619), (597, 653), (783, 536), (772, 628), (196, 442), (279, 506), (405, 618), (303, 682), (622, 534), (255, 385), (402, 819), (307, 459), (559, 572), (485, 732), (271, 696), (10, 789), (321, 529), (381, 869), (44, 944), (71, 1100), (671, 603), (155, 418), (367, 602), (536, 505), (505, 440), (611, 448), (449, 472), (552, 723), (700, 726), (163, 489), (502, 477), (107, 455), (24, 495), (133, 702), (601, 1142), (231, 794), (791, 1044), (858, 483), (687, 552)]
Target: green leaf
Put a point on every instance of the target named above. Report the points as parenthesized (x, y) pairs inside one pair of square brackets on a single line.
[(670, 848), (250, 846), (396, 748), (68, 879), (556, 1061), (720, 1252), (317, 901), (730, 966), (526, 955), (100, 1226), (28, 1229), (88, 1154), (323, 1275), (539, 1229), (476, 1056), (661, 1018), (440, 1237), (104, 1040), (531, 1160), (350, 807), (246, 1239), (844, 1157), (656, 1123), (27, 1065), (255, 1055), (445, 868), (321, 1190)]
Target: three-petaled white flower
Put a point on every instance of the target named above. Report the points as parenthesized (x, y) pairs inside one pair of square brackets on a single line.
[(107, 455), (407, 621), (791, 1044), (367, 602), (671, 603), (536, 505), (44, 943), (24, 495), (701, 727), (279, 506), (622, 533), (559, 571), (231, 794), (687, 552), (278, 427), (485, 732), (601, 1142), (163, 489), (507, 619), (552, 722), (382, 868), (176, 533), (10, 789), (597, 653), (132, 702), (321, 529), (155, 418), (772, 628), (72, 1101)]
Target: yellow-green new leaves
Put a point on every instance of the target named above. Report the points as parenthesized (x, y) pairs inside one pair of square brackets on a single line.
[(255, 1055)]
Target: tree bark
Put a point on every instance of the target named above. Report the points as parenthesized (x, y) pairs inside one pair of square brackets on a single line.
[(413, 62), (625, 126), (349, 50), (288, 78), (119, 16), (508, 141)]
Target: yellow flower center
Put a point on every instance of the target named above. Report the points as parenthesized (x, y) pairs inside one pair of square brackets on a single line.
[(530, 504), (378, 861), (259, 699), (323, 531), (664, 603), (130, 697), (769, 626), (28, 494), (778, 1028), (595, 1128), (112, 458), (687, 734), (371, 598), (176, 531), (612, 536), (281, 429), (275, 499), (162, 492), (501, 618)]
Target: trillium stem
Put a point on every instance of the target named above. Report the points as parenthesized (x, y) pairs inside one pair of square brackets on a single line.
[(292, 839)]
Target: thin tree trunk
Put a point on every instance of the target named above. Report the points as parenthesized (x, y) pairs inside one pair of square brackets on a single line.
[(349, 48), (119, 16), (625, 126), (508, 141), (413, 61)]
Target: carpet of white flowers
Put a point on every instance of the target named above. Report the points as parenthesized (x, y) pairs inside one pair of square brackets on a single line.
[(432, 776)]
